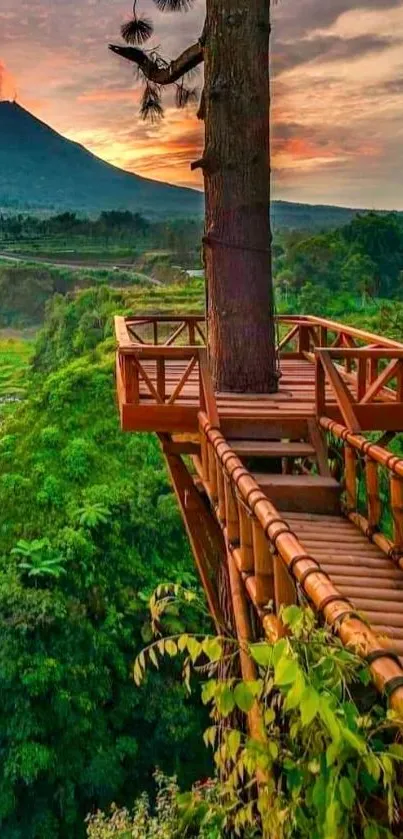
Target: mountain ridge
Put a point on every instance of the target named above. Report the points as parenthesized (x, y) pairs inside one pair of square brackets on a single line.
[(67, 176)]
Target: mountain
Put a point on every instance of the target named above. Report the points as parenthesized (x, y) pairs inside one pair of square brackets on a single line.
[(41, 170)]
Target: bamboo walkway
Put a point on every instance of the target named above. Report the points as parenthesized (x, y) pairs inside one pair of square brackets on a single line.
[(285, 488)]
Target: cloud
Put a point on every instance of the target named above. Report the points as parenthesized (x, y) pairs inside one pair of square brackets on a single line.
[(327, 48), (8, 85), (338, 90)]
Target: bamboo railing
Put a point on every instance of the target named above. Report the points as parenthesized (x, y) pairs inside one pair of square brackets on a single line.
[(271, 559), (367, 463)]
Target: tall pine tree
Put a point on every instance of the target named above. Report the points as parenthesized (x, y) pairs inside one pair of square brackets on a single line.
[(234, 46)]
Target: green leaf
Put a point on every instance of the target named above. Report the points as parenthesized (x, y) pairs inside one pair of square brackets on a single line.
[(309, 705), (209, 690), (262, 654), (292, 615), (371, 831), (233, 743), (225, 701), (153, 657), (244, 697), (171, 648), (294, 695), (357, 743), (347, 793), (286, 671), (194, 649), (212, 648)]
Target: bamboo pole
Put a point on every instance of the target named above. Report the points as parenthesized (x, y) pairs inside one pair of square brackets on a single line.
[(373, 499), (212, 470), (263, 560), (246, 538), (396, 498), (284, 589), (350, 471), (231, 513), (382, 456)]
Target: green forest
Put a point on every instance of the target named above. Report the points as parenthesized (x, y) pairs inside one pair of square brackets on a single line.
[(89, 528)]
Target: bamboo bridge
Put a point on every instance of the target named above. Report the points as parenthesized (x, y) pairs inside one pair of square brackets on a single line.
[(289, 488)]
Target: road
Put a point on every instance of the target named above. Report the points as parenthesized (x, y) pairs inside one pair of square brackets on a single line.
[(57, 263)]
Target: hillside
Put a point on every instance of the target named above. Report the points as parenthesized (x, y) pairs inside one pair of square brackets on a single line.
[(41, 170)]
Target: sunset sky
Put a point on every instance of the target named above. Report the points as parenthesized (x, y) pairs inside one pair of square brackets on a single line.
[(337, 92)]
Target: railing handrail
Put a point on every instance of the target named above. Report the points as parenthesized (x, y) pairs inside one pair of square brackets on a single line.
[(361, 352), (391, 461), (346, 329), (145, 319), (154, 351), (303, 320)]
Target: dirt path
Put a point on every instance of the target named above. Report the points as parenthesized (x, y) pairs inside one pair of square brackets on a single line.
[(57, 263)]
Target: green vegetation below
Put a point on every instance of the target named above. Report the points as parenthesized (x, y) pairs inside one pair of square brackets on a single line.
[(88, 527)]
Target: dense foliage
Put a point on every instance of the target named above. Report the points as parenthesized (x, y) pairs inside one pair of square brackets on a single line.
[(364, 259), (322, 762), (88, 525)]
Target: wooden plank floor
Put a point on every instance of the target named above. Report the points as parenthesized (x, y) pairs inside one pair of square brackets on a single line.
[(358, 569), (296, 395)]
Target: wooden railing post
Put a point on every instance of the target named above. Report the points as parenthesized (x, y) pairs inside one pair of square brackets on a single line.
[(220, 492), (284, 589), (131, 380), (396, 500), (192, 336), (350, 470), (231, 513), (263, 561), (204, 446), (361, 378), (212, 469), (155, 332), (161, 378), (303, 338), (246, 538), (373, 499), (320, 384), (323, 336), (373, 369)]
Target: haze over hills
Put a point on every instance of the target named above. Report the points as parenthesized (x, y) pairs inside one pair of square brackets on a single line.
[(42, 171)]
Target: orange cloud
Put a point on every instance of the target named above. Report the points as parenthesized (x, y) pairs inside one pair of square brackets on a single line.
[(8, 85)]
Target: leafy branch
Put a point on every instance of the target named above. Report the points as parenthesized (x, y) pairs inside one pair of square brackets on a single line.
[(154, 71)]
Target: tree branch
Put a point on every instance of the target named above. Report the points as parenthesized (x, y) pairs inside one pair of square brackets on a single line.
[(185, 62)]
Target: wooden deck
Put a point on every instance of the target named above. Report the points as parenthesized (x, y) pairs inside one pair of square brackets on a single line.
[(326, 370)]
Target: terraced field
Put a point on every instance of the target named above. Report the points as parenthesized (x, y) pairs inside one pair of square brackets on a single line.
[(15, 354)]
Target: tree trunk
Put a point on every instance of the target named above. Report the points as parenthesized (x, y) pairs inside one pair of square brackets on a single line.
[(237, 185)]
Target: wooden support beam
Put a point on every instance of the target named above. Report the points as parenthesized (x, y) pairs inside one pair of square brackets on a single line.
[(204, 534), (341, 392)]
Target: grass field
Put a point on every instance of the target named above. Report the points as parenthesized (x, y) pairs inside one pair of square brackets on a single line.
[(15, 354)]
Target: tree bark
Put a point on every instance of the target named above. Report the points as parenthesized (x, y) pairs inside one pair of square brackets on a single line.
[(237, 186)]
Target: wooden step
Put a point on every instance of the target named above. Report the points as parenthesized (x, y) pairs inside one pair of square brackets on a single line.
[(260, 428), (268, 448), (301, 493)]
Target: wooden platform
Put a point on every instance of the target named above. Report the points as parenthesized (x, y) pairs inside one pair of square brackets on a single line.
[(334, 371)]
